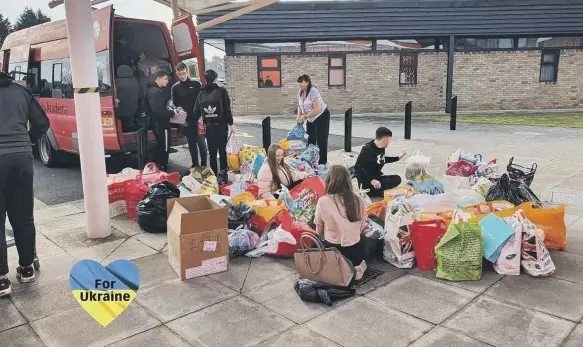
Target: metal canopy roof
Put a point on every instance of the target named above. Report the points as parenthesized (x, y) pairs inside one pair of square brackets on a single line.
[(325, 20)]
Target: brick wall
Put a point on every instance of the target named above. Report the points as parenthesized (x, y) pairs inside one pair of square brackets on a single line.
[(482, 81)]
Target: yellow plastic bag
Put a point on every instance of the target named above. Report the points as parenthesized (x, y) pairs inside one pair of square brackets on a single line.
[(245, 197), (391, 194), (265, 210), (285, 144), (233, 162), (209, 186), (249, 154)]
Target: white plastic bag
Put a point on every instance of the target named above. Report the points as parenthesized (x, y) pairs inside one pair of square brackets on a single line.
[(451, 183), (363, 193), (398, 245), (481, 185), (508, 262), (190, 183), (466, 197), (418, 158), (536, 259), (270, 243), (455, 156)]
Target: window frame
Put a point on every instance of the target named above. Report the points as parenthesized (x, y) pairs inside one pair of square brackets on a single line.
[(555, 64), (402, 54), (343, 68), (261, 69), (60, 63)]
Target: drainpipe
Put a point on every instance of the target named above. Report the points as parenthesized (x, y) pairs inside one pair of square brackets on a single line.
[(449, 90), (88, 110)]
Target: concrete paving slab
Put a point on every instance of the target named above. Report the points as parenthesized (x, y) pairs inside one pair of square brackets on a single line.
[(363, 322), (160, 337), (575, 238), (44, 301), (248, 324), (10, 316), (52, 269), (289, 262), (387, 277), (59, 225), (76, 240), (571, 219), (126, 225), (22, 336), (569, 266), (264, 270), (576, 337), (39, 205), (501, 324), (154, 270), (489, 277), (98, 252), (299, 337), (154, 241), (129, 250), (44, 247), (55, 212), (235, 277), (77, 328), (566, 300), (444, 337), (272, 290), (293, 308), (174, 299), (429, 300)]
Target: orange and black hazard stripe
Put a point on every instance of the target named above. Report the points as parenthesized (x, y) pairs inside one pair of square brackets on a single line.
[(86, 90)]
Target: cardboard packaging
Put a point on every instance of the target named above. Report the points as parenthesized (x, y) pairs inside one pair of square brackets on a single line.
[(198, 238)]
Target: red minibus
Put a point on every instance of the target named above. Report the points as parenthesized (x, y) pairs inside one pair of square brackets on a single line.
[(39, 57)]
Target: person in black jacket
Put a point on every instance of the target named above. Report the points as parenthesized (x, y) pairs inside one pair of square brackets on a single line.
[(370, 162), (22, 122), (156, 108), (214, 105), (184, 94)]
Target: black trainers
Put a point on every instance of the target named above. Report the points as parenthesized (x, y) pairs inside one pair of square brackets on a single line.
[(25, 274), (5, 287)]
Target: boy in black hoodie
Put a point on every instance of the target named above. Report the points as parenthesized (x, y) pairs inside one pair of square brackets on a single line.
[(155, 106), (370, 163), (214, 106)]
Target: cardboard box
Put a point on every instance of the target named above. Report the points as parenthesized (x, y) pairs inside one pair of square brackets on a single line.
[(198, 238)]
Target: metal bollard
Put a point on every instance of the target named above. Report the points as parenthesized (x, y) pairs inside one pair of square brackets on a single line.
[(348, 130), (142, 147), (266, 131), (408, 113), (453, 115)]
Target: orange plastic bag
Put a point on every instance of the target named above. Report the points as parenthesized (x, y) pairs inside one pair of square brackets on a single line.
[(285, 144), (429, 216), (377, 208), (391, 194), (265, 210), (245, 197), (233, 161), (549, 220)]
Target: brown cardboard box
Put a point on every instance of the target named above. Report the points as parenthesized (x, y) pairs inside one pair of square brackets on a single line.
[(198, 243)]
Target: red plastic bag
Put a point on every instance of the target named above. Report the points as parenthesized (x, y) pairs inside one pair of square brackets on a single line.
[(306, 194), (425, 236), (116, 190), (251, 188), (461, 168), (137, 188), (294, 227)]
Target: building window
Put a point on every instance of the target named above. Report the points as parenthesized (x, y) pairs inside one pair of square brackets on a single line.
[(411, 44), (408, 69), (549, 66), (484, 44), (57, 75), (337, 71), (269, 71), (338, 46), (267, 47), (551, 42)]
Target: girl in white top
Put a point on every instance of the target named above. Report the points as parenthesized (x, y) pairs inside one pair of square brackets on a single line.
[(311, 108)]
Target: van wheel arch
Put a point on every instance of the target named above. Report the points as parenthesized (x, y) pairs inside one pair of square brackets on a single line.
[(48, 151)]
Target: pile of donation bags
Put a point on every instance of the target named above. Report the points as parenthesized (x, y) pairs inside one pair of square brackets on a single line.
[(473, 212)]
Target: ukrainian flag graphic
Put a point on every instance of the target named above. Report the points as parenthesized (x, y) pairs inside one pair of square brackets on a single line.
[(104, 292)]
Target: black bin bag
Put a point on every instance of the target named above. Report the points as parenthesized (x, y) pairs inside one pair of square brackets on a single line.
[(513, 191), (151, 210)]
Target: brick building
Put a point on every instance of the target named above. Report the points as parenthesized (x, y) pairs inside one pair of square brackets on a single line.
[(375, 56)]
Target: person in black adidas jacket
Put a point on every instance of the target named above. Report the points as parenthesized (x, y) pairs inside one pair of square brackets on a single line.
[(371, 161), (184, 94), (155, 106), (214, 106)]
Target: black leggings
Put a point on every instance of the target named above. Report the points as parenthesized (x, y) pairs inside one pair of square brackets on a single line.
[(216, 135), (17, 200), (354, 253), (387, 182), (318, 132)]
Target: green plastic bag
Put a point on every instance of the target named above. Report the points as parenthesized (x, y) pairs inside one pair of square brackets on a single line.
[(459, 252)]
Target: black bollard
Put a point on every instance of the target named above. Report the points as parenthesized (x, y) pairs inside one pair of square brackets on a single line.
[(142, 147), (348, 130), (266, 130), (408, 113), (453, 115)]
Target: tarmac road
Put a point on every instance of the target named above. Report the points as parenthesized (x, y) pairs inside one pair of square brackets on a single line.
[(63, 184)]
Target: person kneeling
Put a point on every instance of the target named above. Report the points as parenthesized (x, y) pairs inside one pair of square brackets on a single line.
[(276, 173), (341, 216), (370, 163)]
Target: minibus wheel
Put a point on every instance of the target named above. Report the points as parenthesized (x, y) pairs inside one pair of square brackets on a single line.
[(47, 154)]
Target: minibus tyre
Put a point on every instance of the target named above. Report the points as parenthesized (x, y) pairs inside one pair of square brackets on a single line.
[(46, 152)]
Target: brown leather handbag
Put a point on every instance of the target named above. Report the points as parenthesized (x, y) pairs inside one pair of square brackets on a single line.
[(326, 265)]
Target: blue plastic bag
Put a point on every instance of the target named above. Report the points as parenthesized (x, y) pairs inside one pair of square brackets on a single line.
[(428, 185), (311, 154), (323, 171), (301, 165), (259, 160), (495, 232), (297, 133), (285, 196)]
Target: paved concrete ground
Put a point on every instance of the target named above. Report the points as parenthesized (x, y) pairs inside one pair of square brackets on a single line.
[(253, 304)]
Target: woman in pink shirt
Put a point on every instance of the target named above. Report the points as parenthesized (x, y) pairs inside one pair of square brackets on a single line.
[(275, 173), (340, 217)]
